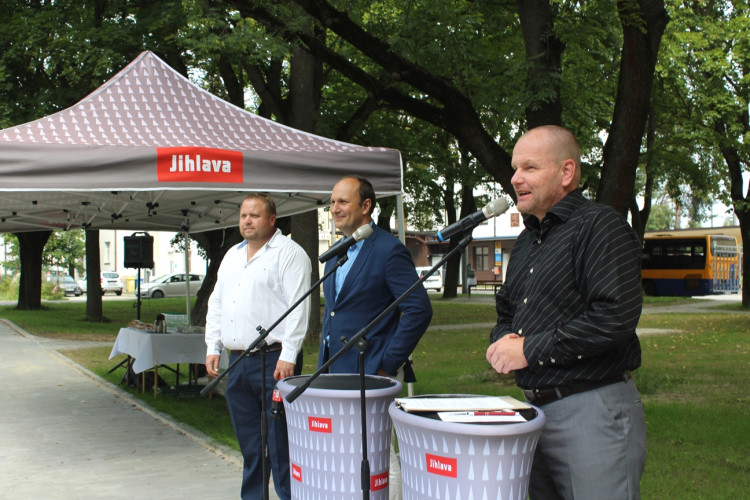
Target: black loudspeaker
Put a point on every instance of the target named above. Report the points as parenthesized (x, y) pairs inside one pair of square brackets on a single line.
[(139, 251)]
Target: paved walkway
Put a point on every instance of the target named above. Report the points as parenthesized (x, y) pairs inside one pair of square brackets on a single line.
[(66, 434)]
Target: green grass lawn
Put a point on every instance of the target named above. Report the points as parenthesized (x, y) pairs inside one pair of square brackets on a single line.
[(694, 384)]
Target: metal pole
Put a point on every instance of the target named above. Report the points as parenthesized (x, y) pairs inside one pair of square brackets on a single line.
[(187, 275)]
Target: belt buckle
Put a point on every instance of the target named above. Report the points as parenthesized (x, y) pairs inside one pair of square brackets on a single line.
[(543, 396), (534, 396), (529, 395)]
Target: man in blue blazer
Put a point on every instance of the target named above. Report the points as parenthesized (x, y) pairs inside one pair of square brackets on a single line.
[(379, 270)]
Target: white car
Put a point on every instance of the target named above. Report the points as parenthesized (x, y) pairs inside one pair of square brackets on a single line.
[(109, 280), (434, 282), (171, 285)]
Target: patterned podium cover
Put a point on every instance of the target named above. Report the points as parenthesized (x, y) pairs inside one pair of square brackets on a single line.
[(464, 461), (325, 436)]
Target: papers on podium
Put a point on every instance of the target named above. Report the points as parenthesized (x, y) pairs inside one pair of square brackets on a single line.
[(470, 403), (500, 417), (480, 409)]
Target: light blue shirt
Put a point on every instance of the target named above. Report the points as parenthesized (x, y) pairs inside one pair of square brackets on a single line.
[(352, 253), (342, 271)]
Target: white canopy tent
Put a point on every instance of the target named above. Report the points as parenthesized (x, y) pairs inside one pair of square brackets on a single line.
[(149, 150)]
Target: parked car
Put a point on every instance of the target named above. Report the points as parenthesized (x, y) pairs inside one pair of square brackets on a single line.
[(70, 286), (434, 282), (171, 285), (109, 280)]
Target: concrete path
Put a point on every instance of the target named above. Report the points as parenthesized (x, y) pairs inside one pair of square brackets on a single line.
[(66, 434)]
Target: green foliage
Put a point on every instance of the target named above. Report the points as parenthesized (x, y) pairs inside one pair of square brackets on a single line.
[(54, 53), (662, 218), (12, 261), (704, 63), (9, 288), (66, 249), (178, 244)]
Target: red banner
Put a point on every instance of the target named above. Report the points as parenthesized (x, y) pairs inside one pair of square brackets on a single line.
[(195, 164)]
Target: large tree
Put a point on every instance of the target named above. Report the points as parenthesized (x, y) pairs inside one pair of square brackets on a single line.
[(54, 53), (30, 248), (712, 46), (391, 41)]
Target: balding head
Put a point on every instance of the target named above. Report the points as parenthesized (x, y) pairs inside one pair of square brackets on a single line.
[(562, 144), (547, 161)]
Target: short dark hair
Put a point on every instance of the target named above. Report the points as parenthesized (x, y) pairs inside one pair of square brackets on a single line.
[(267, 201), (366, 191)]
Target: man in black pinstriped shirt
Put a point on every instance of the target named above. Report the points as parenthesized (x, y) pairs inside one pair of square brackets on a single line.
[(567, 314)]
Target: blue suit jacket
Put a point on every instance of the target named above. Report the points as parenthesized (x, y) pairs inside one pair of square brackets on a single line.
[(381, 273)]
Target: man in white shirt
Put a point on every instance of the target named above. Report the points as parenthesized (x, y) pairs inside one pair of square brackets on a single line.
[(258, 280)]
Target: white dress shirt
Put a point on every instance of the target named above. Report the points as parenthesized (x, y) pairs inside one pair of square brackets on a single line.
[(256, 292)]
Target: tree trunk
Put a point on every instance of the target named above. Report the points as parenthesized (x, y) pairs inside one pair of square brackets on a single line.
[(643, 23), (93, 281), (304, 96), (30, 250), (387, 207), (740, 202), (216, 243), (744, 218), (453, 265), (639, 217), (305, 232), (544, 56)]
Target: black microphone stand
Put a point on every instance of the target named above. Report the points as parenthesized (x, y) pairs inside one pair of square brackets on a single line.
[(261, 344), (360, 341)]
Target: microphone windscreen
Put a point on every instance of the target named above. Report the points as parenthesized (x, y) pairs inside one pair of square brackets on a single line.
[(496, 207), (362, 232)]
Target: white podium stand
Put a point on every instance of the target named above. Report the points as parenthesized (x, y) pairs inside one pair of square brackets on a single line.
[(325, 435), (465, 460)]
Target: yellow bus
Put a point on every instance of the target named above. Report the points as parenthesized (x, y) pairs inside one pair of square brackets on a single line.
[(690, 265)]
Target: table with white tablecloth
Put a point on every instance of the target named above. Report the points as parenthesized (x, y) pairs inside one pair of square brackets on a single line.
[(149, 350)]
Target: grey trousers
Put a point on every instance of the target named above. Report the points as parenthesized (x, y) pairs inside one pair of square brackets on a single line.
[(593, 446)]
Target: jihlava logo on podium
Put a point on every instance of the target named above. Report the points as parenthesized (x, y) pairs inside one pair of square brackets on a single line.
[(379, 481), (317, 424), (442, 466), (297, 472)]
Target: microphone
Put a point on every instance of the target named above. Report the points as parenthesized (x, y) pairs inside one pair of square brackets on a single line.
[(340, 248), (492, 209)]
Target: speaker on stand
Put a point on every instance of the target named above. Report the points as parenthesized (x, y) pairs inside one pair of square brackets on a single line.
[(139, 254)]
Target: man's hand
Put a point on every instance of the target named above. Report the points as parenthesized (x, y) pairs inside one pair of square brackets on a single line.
[(212, 365), (506, 354), (283, 369)]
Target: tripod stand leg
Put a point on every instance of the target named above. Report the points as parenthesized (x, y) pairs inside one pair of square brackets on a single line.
[(124, 361)]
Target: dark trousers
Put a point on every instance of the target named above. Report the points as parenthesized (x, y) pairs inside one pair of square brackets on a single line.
[(243, 394)]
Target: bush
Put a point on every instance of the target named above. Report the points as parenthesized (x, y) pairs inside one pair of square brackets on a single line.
[(9, 289)]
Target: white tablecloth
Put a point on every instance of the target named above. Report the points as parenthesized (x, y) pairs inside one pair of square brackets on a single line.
[(152, 349)]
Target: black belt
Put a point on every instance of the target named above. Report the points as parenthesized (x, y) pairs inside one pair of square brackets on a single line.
[(272, 347), (543, 396)]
